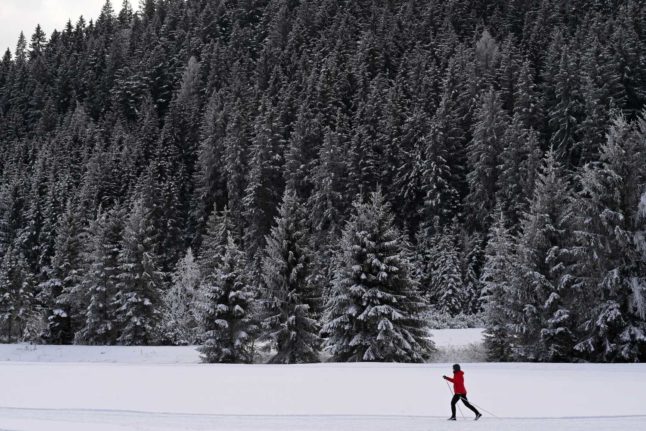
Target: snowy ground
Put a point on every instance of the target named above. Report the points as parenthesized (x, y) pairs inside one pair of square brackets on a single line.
[(93, 388), (457, 344)]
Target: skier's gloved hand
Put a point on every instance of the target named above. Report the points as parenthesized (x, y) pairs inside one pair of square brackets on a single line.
[(444, 377)]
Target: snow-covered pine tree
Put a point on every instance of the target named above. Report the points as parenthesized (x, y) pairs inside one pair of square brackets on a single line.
[(542, 301), (139, 281), (65, 296), (327, 201), (225, 310), (178, 148), (565, 115), (375, 310), (609, 265), (438, 178), (16, 296), (527, 102), (327, 206), (519, 161), (422, 262), (300, 156), (210, 179), (487, 59), (218, 228), (472, 263), (265, 180), (446, 278), (178, 318), (496, 278), (484, 158), (406, 191), (601, 91), (638, 299), (100, 280), (235, 160), (289, 299), (6, 204)]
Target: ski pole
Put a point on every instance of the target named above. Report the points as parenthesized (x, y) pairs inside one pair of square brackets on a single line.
[(484, 410), (451, 390)]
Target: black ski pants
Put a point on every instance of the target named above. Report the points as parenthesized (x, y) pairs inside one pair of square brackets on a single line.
[(458, 397)]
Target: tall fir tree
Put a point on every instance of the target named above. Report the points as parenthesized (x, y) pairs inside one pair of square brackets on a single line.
[(472, 265), (226, 311), (527, 103), (519, 162), (178, 319), (484, 158), (64, 294), (289, 300), (608, 263), (17, 302), (565, 115), (219, 227), (265, 183), (542, 303), (375, 310), (496, 278), (447, 286), (140, 281), (101, 278)]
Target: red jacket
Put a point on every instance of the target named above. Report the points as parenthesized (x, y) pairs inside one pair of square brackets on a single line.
[(458, 382)]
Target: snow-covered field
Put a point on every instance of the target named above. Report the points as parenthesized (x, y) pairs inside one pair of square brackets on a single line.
[(96, 388)]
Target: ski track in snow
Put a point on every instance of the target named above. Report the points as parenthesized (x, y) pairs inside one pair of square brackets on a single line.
[(104, 420)]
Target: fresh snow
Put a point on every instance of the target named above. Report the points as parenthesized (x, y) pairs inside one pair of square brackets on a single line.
[(445, 340), (160, 388)]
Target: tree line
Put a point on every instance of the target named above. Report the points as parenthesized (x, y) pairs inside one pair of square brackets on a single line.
[(301, 175)]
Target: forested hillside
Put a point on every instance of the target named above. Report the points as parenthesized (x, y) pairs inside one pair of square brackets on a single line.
[(309, 174)]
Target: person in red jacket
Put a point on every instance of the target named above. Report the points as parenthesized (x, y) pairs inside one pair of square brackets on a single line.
[(459, 392)]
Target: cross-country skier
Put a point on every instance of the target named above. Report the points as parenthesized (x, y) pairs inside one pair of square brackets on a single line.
[(459, 392)]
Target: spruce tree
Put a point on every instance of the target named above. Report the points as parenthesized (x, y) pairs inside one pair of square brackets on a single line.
[(519, 162), (496, 277), (438, 184), (210, 176), (65, 297), (327, 202), (566, 114), (542, 303), (17, 302), (472, 263), (484, 157), (225, 310), (218, 229), (375, 310), (527, 102), (289, 300), (178, 318), (101, 279), (140, 282), (446, 279), (327, 206), (265, 181), (235, 161), (608, 263)]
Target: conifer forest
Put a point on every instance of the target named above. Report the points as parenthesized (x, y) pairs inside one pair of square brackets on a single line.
[(323, 178)]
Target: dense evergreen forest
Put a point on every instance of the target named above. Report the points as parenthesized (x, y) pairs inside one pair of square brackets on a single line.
[(309, 175)]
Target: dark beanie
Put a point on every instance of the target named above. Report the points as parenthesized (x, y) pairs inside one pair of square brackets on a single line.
[(456, 367)]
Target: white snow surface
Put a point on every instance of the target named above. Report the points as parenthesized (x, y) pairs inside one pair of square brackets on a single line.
[(154, 388), (94, 354), (445, 340)]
